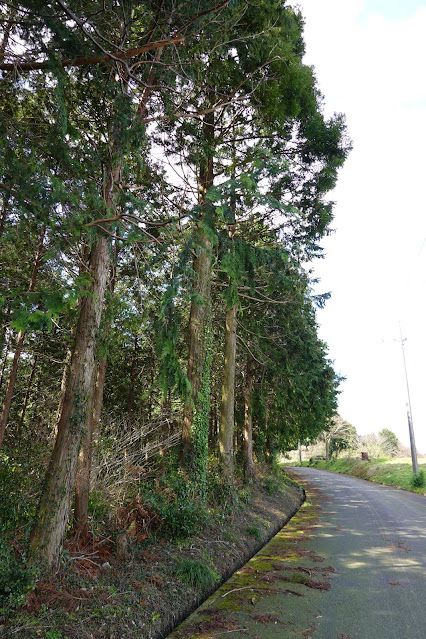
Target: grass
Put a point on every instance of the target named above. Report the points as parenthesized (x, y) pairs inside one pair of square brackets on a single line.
[(397, 473), (255, 532), (196, 573)]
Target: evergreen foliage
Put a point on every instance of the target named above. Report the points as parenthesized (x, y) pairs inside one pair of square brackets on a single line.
[(198, 173)]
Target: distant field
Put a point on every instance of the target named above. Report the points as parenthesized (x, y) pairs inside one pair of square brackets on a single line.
[(390, 472)]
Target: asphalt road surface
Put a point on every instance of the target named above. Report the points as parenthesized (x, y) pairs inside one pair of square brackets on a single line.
[(375, 538)]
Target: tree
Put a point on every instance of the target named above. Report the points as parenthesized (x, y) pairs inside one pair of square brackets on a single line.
[(249, 116), (390, 441), (121, 134), (339, 435), (102, 107)]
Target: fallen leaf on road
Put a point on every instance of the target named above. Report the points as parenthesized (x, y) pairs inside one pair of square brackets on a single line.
[(317, 585), (394, 583), (266, 618), (309, 632)]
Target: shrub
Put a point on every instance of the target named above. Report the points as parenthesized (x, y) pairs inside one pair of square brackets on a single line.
[(99, 508), (270, 485), (245, 496), (17, 504), (219, 494), (16, 579), (197, 574), (182, 513), (253, 531), (418, 480)]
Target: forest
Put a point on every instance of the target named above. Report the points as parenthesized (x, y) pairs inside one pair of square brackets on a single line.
[(165, 170)]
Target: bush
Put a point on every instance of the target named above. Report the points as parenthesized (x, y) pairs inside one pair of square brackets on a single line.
[(270, 485), (253, 531), (182, 513), (17, 504), (245, 496), (418, 480), (99, 508), (16, 579), (197, 574), (219, 494)]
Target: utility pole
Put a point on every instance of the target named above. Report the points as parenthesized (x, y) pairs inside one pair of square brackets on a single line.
[(409, 412), (300, 451), (412, 444)]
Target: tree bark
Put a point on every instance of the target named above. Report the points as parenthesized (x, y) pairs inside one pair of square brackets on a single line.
[(200, 305), (84, 260), (196, 351), (84, 461), (166, 410), (131, 395), (53, 511), (62, 392), (27, 395), (226, 430), (249, 471), (5, 345), (3, 214), (19, 344), (84, 466)]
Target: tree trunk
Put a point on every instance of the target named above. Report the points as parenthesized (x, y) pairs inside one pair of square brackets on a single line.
[(11, 385), (226, 430), (84, 260), (327, 448), (3, 213), (27, 396), (200, 305), (19, 344), (53, 511), (151, 384), (84, 465), (166, 410), (62, 392), (249, 471), (196, 346), (268, 447), (131, 395), (5, 344)]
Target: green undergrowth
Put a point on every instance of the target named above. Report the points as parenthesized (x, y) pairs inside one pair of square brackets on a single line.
[(197, 573), (395, 473), (177, 546), (19, 485)]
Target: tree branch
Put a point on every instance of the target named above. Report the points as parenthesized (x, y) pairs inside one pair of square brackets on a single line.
[(219, 6), (79, 62)]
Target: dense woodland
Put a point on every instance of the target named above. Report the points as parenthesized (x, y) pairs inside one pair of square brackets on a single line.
[(165, 171)]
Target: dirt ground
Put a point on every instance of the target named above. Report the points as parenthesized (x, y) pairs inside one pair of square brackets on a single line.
[(141, 595)]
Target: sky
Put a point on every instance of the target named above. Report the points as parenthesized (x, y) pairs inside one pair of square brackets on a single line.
[(370, 63)]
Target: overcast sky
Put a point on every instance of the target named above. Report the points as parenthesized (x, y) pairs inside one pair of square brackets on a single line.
[(370, 62)]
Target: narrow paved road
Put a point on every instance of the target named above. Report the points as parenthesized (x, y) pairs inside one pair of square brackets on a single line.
[(375, 538), (351, 564)]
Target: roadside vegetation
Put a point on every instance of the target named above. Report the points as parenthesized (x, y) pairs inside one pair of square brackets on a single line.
[(380, 458), (139, 570), (165, 172), (397, 473)]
